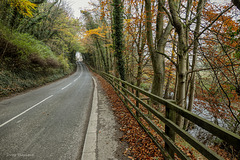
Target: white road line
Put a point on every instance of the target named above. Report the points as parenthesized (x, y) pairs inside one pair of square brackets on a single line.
[(66, 86), (24, 111), (78, 77), (73, 81)]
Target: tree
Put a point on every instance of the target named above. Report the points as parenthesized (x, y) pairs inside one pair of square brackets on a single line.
[(161, 40), (236, 3), (182, 27), (177, 34), (118, 36), (24, 7), (48, 22), (222, 63)]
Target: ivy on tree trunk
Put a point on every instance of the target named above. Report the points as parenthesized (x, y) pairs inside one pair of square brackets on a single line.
[(118, 36)]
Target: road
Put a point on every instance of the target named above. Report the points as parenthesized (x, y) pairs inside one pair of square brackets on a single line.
[(49, 122)]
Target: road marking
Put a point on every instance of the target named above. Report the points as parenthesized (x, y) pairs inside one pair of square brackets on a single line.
[(37, 104), (66, 86), (77, 77), (24, 111), (72, 82)]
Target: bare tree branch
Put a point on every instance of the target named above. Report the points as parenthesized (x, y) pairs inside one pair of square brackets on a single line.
[(175, 64), (196, 38), (205, 69), (224, 92)]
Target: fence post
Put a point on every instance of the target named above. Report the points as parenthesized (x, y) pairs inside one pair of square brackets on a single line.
[(137, 103), (170, 114), (118, 86)]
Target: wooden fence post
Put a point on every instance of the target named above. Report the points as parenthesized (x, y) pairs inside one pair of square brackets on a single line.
[(170, 114), (137, 103)]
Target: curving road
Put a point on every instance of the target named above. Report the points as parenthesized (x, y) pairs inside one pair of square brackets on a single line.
[(49, 122)]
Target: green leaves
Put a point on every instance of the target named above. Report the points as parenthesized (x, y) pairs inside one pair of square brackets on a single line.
[(234, 40)]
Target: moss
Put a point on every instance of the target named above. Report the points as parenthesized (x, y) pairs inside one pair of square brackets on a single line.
[(145, 86)]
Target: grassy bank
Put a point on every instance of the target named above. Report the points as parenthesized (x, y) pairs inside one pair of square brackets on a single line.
[(26, 62), (14, 82)]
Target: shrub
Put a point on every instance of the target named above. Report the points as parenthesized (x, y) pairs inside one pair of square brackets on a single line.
[(145, 86), (24, 49)]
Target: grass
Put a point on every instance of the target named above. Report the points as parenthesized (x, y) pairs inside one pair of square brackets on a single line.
[(27, 62), (25, 50), (17, 81)]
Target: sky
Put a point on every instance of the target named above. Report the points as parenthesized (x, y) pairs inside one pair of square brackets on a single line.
[(221, 1), (77, 5)]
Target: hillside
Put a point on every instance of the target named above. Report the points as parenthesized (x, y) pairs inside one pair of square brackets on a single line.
[(27, 62), (38, 43)]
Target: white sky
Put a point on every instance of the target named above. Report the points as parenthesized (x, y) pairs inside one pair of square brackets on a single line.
[(77, 5), (221, 1)]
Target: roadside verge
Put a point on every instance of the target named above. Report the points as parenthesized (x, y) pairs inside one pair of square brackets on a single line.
[(90, 144)]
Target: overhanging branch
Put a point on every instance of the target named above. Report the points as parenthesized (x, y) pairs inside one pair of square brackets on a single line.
[(210, 68), (175, 64)]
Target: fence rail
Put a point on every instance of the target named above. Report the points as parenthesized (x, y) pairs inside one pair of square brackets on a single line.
[(126, 90)]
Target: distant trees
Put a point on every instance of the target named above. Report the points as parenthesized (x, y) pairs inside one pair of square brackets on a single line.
[(100, 59)]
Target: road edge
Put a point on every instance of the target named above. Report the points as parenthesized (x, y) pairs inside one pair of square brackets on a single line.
[(90, 143)]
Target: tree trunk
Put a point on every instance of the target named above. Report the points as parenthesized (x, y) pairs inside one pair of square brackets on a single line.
[(167, 94), (118, 36), (182, 57), (103, 57), (158, 62), (195, 47), (181, 73)]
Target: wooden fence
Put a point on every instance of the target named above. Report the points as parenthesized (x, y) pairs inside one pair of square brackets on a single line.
[(127, 92)]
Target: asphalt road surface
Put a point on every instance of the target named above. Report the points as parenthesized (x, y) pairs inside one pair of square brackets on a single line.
[(47, 123)]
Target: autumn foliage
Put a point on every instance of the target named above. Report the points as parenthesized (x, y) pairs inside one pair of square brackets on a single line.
[(186, 51)]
